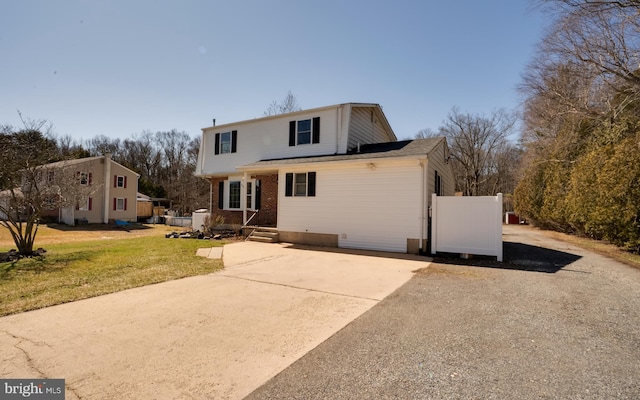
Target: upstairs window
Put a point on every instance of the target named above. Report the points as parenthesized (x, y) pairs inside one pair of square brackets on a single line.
[(84, 178), (120, 181), (304, 131), (226, 142), (300, 184)]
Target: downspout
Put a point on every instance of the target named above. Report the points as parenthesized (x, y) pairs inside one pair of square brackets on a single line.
[(107, 186), (210, 196)]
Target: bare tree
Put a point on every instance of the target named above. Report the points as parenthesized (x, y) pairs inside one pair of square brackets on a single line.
[(426, 133), (21, 181), (286, 105), (474, 142), (604, 35)]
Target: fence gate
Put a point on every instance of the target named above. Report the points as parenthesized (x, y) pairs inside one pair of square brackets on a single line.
[(467, 225)]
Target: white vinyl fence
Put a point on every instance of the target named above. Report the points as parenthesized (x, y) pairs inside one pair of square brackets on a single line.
[(467, 225)]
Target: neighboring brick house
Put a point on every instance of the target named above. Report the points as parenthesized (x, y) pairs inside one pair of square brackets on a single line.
[(332, 176), (89, 190)]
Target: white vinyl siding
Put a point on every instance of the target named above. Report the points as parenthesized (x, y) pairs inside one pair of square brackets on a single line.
[(266, 138), (366, 127), (438, 162), (368, 207)]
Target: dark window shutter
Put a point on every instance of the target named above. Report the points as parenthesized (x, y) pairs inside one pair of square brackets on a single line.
[(77, 206), (115, 182), (90, 177), (125, 204), (258, 194), (221, 195), (90, 203), (125, 182), (288, 187), (292, 133), (316, 130), (115, 203), (311, 184), (234, 140), (217, 143)]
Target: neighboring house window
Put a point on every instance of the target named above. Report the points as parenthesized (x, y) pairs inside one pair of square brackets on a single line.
[(300, 184), (50, 203), (51, 176), (85, 204), (304, 131), (438, 185), (234, 194), (120, 181), (119, 204), (84, 178), (226, 142)]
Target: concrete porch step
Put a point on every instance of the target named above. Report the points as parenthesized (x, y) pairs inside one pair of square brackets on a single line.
[(264, 235)]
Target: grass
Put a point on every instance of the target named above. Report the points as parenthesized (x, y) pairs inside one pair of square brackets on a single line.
[(601, 247), (80, 269)]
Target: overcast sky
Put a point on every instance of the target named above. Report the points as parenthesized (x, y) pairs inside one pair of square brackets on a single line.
[(116, 68)]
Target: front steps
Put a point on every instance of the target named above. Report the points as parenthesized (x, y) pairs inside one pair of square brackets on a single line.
[(264, 235)]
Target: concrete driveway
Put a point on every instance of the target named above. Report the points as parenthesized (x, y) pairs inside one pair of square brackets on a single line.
[(215, 336)]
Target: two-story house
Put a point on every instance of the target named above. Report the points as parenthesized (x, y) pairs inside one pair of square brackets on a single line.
[(91, 190), (333, 176)]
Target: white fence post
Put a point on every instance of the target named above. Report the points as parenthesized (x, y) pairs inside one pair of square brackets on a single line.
[(434, 222), (498, 234)]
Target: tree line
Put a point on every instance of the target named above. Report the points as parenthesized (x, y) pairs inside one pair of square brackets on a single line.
[(581, 136), (165, 160), (576, 166)]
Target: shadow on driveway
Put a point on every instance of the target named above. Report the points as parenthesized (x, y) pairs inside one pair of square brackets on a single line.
[(517, 256)]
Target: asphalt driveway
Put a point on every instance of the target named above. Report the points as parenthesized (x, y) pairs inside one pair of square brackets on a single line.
[(552, 322), (218, 336)]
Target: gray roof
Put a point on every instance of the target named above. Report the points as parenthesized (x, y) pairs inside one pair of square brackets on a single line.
[(401, 149)]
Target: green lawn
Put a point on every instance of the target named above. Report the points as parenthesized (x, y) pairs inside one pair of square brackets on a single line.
[(79, 270)]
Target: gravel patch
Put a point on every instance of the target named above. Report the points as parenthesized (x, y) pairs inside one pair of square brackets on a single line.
[(554, 321)]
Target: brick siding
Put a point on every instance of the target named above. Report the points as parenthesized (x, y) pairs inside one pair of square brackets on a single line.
[(268, 215)]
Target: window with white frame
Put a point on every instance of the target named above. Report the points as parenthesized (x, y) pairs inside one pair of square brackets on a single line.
[(50, 203), (249, 195), (300, 184), (234, 194), (230, 195), (121, 204), (226, 142), (304, 131), (83, 178), (84, 204), (121, 181)]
